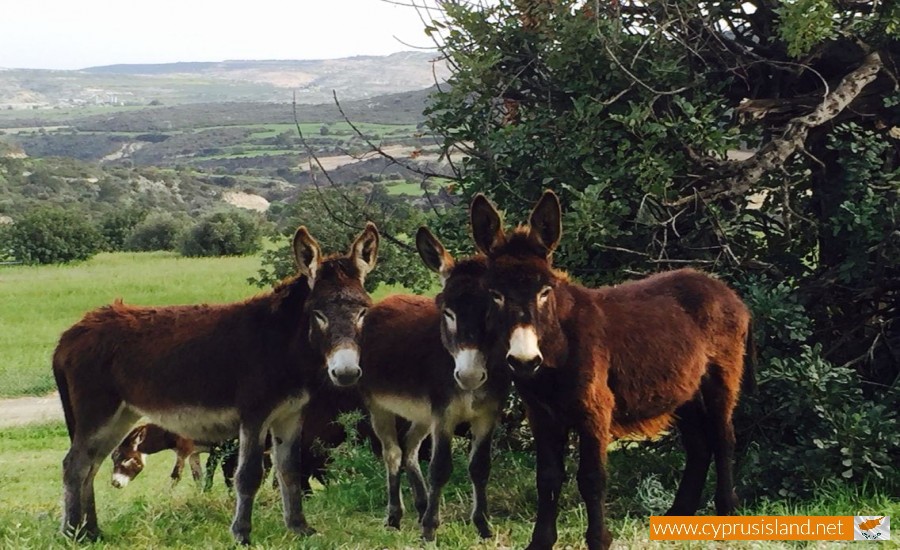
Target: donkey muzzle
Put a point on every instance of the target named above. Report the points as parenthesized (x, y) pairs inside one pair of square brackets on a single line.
[(470, 370), (343, 366), (524, 356)]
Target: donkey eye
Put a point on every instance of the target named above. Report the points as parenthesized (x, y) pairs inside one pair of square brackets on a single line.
[(321, 319), (450, 319), (497, 297), (361, 317)]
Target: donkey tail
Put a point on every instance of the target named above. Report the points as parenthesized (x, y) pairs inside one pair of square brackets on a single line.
[(63, 385), (749, 381)]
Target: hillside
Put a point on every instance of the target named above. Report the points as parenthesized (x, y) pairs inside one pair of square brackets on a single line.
[(255, 81)]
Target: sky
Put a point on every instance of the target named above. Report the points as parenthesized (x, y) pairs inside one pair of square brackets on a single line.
[(74, 34)]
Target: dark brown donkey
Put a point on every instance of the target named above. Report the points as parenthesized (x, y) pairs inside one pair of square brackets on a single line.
[(612, 361), (213, 372), (408, 373)]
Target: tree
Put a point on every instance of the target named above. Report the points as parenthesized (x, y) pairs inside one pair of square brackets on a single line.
[(155, 232), (635, 111), (49, 235), (116, 226), (230, 233)]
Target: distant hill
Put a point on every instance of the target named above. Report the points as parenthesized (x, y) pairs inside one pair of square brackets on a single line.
[(209, 82)]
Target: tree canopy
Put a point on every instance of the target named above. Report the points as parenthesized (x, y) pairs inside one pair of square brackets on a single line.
[(756, 140)]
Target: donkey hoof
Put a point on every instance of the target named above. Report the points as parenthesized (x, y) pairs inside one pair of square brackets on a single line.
[(303, 530), (485, 532), (392, 522), (81, 534), (242, 539), (428, 533)]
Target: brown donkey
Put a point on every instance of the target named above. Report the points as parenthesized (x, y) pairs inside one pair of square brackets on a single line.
[(213, 372), (612, 361), (417, 366)]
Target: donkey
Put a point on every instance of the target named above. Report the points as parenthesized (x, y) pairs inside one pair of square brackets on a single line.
[(611, 361), (129, 458), (408, 373), (213, 372)]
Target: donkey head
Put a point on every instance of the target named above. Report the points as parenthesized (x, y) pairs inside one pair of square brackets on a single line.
[(337, 302), (127, 459), (520, 280), (463, 305)]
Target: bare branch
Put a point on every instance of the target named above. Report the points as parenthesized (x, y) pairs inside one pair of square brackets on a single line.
[(774, 153)]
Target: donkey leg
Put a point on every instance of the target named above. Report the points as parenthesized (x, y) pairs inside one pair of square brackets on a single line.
[(411, 443), (692, 424), (286, 454), (196, 470), (480, 471), (720, 395), (550, 441), (439, 471), (592, 479), (384, 424), (80, 467), (178, 468), (247, 479)]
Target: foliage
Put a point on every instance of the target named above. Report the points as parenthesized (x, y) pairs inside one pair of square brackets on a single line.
[(631, 114), (117, 225), (155, 232), (230, 233), (52, 235), (335, 217)]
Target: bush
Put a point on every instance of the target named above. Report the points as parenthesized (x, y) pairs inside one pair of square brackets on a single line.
[(158, 232), (52, 235), (230, 233), (116, 226)]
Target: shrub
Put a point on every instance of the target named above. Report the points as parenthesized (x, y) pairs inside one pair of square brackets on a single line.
[(51, 235), (230, 233), (157, 232), (116, 226)]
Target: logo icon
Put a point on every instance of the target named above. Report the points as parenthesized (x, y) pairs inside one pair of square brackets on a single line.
[(871, 528)]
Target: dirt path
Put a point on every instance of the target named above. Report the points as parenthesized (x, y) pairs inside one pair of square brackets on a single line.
[(30, 410)]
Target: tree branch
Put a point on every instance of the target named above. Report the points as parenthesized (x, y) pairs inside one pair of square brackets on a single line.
[(775, 153)]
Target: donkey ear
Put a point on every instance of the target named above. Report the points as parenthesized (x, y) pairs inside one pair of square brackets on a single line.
[(487, 229), (433, 254), (546, 221), (364, 250), (140, 434), (307, 254)]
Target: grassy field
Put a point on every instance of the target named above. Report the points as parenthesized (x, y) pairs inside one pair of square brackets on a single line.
[(347, 513)]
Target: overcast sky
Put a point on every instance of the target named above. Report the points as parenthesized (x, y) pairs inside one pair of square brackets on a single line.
[(73, 34)]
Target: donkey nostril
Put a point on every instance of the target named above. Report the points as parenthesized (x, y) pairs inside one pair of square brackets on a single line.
[(525, 366), (483, 375)]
